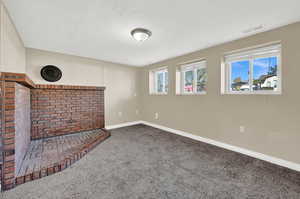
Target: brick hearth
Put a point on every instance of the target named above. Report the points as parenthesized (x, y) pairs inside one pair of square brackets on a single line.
[(31, 111), (51, 155)]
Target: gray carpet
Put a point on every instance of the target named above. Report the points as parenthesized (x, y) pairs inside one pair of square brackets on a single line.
[(142, 162)]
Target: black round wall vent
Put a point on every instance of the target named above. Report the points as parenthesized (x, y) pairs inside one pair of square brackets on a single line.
[(51, 73)]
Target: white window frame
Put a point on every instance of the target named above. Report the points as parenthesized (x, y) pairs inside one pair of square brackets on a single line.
[(250, 54), (191, 67), (153, 87)]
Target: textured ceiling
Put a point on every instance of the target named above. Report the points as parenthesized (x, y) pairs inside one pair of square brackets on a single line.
[(100, 29)]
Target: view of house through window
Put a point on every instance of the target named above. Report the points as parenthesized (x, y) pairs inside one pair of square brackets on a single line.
[(265, 73), (254, 71), (240, 75), (194, 78)]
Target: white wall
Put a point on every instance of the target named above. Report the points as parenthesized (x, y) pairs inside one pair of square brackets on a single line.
[(76, 70), (12, 50), (121, 81)]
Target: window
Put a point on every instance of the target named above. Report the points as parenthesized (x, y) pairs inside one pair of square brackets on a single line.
[(193, 78), (255, 71), (158, 81)]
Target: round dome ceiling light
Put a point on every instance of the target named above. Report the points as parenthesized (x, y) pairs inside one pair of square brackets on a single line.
[(141, 34)]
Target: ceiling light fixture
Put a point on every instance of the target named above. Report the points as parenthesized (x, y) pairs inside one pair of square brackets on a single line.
[(141, 34)]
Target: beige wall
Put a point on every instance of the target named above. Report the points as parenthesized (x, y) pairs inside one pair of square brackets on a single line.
[(272, 122), (12, 51), (120, 81)]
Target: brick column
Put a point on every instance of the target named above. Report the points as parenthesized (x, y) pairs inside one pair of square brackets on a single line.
[(8, 135), (1, 131), (8, 130)]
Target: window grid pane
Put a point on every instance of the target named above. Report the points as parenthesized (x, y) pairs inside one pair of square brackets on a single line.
[(201, 80), (166, 82), (189, 81), (265, 73), (160, 82), (239, 76)]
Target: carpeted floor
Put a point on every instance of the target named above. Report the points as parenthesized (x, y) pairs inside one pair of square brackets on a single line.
[(141, 162)]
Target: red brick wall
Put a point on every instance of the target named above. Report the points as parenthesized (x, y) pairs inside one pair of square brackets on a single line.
[(8, 130), (55, 110), (15, 134), (59, 110), (1, 175), (1, 130)]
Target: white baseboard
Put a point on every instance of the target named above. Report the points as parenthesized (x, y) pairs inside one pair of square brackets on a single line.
[(271, 159), (274, 160), (123, 125)]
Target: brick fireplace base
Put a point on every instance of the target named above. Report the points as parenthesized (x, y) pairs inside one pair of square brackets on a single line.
[(30, 111), (52, 155)]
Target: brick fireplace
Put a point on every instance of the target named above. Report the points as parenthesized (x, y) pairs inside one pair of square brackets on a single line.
[(31, 112), (59, 110)]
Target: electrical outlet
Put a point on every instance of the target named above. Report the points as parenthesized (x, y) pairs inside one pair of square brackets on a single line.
[(156, 116), (242, 129), (137, 112), (120, 114)]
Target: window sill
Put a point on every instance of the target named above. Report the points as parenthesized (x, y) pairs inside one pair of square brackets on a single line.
[(158, 94), (253, 93), (188, 94)]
